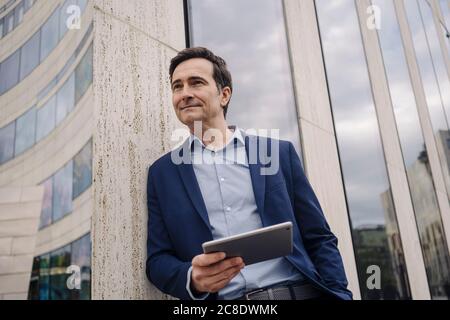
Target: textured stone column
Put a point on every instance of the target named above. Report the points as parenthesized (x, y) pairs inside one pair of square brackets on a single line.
[(133, 43)]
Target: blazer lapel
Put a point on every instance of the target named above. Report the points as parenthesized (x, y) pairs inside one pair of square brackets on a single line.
[(258, 180), (190, 182)]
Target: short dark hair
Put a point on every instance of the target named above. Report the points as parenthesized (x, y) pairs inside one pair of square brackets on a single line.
[(220, 71)]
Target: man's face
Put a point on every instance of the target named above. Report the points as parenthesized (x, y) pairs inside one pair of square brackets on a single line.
[(195, 95)]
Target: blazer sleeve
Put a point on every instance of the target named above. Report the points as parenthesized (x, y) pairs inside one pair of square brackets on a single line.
[(163, 268), (320, 243)]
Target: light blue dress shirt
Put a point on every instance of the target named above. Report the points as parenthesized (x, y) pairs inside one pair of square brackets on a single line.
[(225, 183)]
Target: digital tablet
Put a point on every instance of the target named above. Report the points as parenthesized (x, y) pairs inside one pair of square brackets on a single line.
[(256, 245)]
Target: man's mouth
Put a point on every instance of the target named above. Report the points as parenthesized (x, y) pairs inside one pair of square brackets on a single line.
[(190, 106)]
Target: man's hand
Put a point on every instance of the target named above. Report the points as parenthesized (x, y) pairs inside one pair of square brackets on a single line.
[(211, 272)]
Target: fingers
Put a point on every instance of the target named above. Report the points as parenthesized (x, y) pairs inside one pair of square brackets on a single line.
[(211, 272), (204, 260)]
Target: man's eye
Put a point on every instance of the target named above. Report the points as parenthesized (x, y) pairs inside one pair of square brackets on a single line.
[(176, 87)]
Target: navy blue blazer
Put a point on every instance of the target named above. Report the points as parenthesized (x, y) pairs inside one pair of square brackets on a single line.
[(178, 222)]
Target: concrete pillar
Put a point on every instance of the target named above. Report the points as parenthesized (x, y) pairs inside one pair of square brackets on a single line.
[(321, 159), (394, 159), (133, 122)]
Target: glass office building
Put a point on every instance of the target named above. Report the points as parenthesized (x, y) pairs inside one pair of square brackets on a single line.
[(360, 87)]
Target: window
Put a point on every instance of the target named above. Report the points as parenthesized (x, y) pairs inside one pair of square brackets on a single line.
[(375, 232), (49, 278), (254, 45), (64, 16), (81, 257), (25, 131), (18, 14), (9, 22), (46, 118), (65, 99), (49, 35), (7, 142), (59, 261), (82, 170), (29, 58), (83, 75), (62, 192), (1, 28), (9, 72), (82, 4), (28, 4), (47, 204)]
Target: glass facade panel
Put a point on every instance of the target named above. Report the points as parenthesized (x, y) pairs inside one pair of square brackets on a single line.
[(62, 192), (9, 22), (59, 261), (9, 72), (372, 213), (438, 114), (49, 34), (81, 257), (18, 14), (64, 16), (253, 42), (7, 142), (33, 290), (83, 75), (47, 204), (82, 170), (1, 28), (424, 198), (29, 57), (65, 99), (46, 118), (25, 131), (44, 277)]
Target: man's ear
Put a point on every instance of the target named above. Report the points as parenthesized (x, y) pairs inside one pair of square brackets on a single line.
[(226, 96)]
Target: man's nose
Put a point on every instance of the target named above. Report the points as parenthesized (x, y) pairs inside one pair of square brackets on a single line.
[(186, 93)]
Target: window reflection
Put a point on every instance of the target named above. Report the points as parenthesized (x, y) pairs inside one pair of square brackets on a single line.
[(49, 35), (7, 142), (25, 131), (253, 42), (9, 72), (46, 118), (83, 75), (49, 274), (371, 209), (427, 60), (65, 99), (82, 170), (62, 192), (47, 204), (30, 55), (81, 257), (59, 262), (417, 165)]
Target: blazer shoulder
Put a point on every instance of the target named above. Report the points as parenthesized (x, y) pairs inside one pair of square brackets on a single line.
[(162, 163)]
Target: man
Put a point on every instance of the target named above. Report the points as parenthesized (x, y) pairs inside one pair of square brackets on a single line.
[(219, 192)]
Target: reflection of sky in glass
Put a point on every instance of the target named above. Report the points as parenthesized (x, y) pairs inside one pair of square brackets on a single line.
[(62, 191), (25, 131), (419, 176), (445, 9), (46, 212), (354, 112), (374, 226), (250, 35), (437, 113), (436, 53), (82, 170)]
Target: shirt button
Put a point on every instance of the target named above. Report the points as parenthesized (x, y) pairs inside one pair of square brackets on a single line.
[(222, 179), (228, 209)]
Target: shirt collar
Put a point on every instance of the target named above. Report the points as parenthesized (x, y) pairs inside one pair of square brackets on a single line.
[(237, 138)]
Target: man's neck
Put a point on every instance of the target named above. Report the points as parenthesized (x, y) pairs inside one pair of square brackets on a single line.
[(213, 137)]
